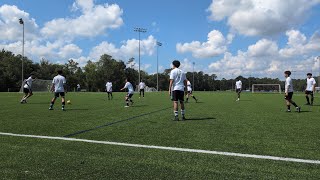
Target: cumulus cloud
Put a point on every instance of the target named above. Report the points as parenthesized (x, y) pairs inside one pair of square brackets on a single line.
[(94, 20), (130, 48), (260, 17), (216, 44), (266, 59)]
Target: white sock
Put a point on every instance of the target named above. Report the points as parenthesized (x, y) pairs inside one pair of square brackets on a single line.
[(183, 112), (176, 113)]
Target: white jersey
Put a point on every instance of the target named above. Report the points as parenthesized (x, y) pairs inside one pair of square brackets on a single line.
[(109, 86), (28, 83), (59, 82), (142, 85), (239, 84), (129, 86), (78, 86), (310, 83), (189, 86), (288, 85), (178, 77)]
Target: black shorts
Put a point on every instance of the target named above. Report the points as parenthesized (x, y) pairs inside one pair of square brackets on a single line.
[(109, 92), (26, 90), (177, 96), (289, 97), (141, 90), (189, 92), (57, 94), (309, 92), (129, 95), (238, 90)]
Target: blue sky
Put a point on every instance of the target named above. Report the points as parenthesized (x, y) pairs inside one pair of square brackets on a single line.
[(225, 37)]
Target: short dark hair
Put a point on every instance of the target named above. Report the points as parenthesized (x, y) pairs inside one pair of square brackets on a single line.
[(59, 71), (309, 74), (176, 63), (128, 79), (288, 73)]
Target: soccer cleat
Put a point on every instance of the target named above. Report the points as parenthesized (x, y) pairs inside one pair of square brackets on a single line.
[(183, 118), (50, 108), (176, 118), (126, 106), (298, 109), (288, 110), (63, 109)]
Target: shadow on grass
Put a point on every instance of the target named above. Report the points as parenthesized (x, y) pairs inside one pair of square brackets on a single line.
[(244, 100), (200, 119), (142, 105), (77, 109), (39, 103)]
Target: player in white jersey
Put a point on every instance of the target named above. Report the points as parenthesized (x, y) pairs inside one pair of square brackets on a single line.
[(177, 88), (142, 86), (128, 97), (27, 89), (238, 88), (189, 88), (109, 90), (289, 92), (59, 89), (78, 87), (310, 89)]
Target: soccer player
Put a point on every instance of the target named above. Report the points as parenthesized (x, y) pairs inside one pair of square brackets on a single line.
[(27, 89), (190, 92), (311, 86), (78, 87), (142, 86), (238, 88), (289, 92), (128, 97), (177, 88), (59, 89), (109, 90)]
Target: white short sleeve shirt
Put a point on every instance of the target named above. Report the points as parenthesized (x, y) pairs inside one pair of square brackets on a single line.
[(59, 82), (310, 83), (178, 77)]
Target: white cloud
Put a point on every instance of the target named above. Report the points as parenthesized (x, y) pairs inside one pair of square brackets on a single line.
[(216, 44), (130, 48), (261, 17), (95, 20)]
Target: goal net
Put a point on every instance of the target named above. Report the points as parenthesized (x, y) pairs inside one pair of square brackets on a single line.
[(146, 89), (266, 88), (40, 85)]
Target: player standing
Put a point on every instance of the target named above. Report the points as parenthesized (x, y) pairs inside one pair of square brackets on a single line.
[(189, 88), (310, 89), (142, 86), (289, 92), (177, 88), (238, 89), (109, 90), (59, 89), (78, 87), (27, 89), (128, 97)]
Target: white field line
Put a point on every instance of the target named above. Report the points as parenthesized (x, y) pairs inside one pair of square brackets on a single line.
[(274, 158)]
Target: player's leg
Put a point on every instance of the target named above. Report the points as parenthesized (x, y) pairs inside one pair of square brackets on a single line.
[(63, 100), (130, 99), (140, 91), (307, 97), (56, 95), (108, 95), (194, 97), (188, 95), (175, 105), (29, 95), (181, 99), (127, 100), (293, 103), (23, 98), (312, 98), (143, 92), (111, 95)]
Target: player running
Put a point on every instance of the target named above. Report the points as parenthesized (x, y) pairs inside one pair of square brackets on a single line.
[(109, 90), (27, 89), (189, 88), (310, 89), (128, 97), (289, 92), (142, 86), (177, 88), (59, 89), (238, 89)]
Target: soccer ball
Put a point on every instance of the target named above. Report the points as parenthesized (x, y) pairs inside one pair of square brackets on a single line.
[(68, 102)]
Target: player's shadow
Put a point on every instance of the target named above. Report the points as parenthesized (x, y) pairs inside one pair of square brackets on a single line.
[(245, 100), (200, 119), (39, 103), (77, 109), (305, 111), (141, 105)]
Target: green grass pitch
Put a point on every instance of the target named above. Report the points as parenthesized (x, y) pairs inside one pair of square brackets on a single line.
[(258, 124)]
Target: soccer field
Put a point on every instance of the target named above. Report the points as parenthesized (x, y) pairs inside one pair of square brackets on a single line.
[(257, 125)]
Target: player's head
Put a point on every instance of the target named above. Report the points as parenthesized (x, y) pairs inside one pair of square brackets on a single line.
[(309, 75), (176, 64), (32, 75), (127, 79), (59, 71), (287, 73)]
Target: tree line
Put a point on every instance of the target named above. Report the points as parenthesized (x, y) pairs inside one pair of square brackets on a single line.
[(94, 75)]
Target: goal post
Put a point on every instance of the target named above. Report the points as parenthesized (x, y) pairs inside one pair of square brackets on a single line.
[(40, 85), (266, 88)]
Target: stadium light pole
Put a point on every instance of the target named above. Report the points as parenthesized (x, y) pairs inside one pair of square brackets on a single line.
[(193, 63), (318, 58), (22, 68), (158, 45), (139, 30)]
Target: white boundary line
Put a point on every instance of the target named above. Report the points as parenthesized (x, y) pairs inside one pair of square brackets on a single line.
[(274, 158)]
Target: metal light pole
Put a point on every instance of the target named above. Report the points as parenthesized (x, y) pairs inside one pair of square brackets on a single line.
[(21, 22), (140, 30), (158, 44), (318, 58), (193, 63)]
